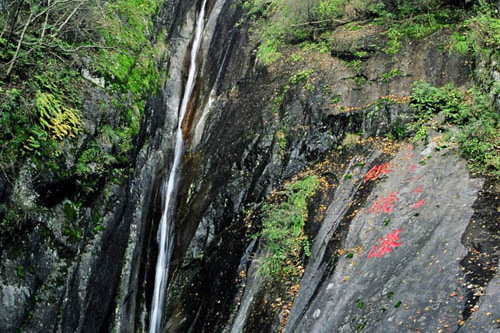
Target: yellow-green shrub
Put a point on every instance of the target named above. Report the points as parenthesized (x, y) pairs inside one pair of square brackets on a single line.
[(59, 120)]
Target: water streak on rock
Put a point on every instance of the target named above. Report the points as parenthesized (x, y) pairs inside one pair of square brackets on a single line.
[(166, 230)]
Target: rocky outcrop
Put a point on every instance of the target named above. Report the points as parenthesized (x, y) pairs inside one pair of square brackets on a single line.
[(76, 267), (403, 272), (275, 133), (402, 252)]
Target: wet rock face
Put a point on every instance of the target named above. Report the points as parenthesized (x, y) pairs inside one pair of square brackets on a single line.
[(251, 143), (399, 252), (63, 270), (481, 263), (403, 272)]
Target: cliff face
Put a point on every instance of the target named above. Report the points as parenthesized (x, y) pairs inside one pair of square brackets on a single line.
[(63, 271), (402, 236)]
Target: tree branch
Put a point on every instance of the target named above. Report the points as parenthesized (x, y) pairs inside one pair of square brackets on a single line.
[(68, 18), (322, 21), (45, 10), (45, 23), (13, 61)]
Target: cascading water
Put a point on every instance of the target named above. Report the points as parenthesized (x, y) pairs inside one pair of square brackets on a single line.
[(166, 230)]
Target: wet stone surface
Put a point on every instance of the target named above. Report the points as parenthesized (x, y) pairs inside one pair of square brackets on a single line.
[(402, 270)]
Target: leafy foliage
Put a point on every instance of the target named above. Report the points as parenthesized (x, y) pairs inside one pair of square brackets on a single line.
[(307, 22), (127, 61), (285, 21), (480, 33), (428, 100), (477, 121), (116, 35), (283, 226), (59, 120), (14, 123), (44, 49), (386, 77)]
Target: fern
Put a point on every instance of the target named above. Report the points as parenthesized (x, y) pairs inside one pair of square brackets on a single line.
[(59, 120)]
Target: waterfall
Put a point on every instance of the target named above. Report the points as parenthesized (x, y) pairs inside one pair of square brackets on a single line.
[(166, 230)]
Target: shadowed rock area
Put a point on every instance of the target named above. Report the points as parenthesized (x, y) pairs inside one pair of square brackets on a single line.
[(400, 235)]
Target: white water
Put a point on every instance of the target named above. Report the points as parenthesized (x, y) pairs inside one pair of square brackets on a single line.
[(166, 223)]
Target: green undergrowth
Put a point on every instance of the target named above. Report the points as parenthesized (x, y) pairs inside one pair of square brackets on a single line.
[(283, 220), (417, 27), (479, 34), (307, 23), (468, 118), (41, 98), (127, 61), (38, 115), (280, 22)]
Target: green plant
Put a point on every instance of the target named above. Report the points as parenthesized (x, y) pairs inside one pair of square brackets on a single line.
[(295, 57), (359, 80), (386, 77), (93, 162), (460, 43), (479, 140), (354, 64), (10, 217), (20, 271), (268, 51), (335, 98), (281, 140), (414, 20), (427, 101), (59, 120), (320, 45), (73, 233), (301, 76), (283, 227), (361, 54), (393, 41), (481, 32), (278, 22), (477, 121)]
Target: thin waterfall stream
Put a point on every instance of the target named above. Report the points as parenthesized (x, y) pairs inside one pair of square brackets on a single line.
[(166, 229)]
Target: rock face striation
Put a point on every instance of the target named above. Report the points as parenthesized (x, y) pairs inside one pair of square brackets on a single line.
[(404, 240), (405, 274)]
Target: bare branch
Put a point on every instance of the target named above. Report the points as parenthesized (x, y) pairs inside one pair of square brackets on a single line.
[(13, 61), (48, 8), (45, 23), (82, 47), (68, 18), (319, 22)]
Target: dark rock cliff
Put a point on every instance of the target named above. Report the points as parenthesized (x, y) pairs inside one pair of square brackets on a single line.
[(246, 134)]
